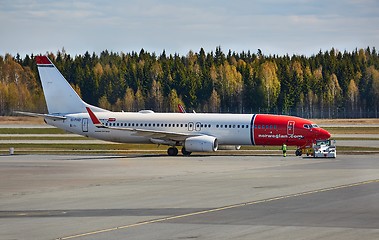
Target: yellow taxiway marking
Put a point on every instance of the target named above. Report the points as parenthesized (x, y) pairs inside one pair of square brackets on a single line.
[(218, 209)]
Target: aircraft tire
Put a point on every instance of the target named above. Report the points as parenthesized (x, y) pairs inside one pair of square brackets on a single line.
[(172, 151), (298, 152), (185, 152)]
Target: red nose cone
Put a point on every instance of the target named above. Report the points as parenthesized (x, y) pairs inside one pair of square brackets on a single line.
[(325, 134)]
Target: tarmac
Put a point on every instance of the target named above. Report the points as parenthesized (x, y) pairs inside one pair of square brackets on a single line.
[(349, 140), (197, 197)]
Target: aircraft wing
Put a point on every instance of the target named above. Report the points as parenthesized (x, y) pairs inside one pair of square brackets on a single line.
[(152, 134), (173, 136)]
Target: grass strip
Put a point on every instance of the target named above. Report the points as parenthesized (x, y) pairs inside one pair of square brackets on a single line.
[(74, 147), (32, 131), (45, 138), (352, 130)]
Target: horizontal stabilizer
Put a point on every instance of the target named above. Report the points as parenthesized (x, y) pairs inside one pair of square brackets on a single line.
[(50, 116)]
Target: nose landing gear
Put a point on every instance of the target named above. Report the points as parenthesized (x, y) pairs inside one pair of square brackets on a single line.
[(185, 152), (298, 152)]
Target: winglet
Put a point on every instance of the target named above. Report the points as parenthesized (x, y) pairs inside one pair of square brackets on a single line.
[(43, 60), (94, 119), (181, 108)]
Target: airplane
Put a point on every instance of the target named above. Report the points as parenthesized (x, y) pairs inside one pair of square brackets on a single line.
[(193, 132)]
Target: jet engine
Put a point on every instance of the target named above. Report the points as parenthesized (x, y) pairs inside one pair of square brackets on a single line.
[(201, 144)]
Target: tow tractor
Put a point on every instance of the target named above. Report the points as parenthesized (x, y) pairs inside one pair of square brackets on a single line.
[(325, 149)]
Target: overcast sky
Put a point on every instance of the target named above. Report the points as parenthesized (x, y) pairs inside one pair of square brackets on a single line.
[(274, 26)]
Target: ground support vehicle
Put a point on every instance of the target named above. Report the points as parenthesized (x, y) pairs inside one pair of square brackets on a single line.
[(325, 149)]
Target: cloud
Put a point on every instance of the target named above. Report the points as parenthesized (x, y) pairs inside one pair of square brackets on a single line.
[(280, 26)]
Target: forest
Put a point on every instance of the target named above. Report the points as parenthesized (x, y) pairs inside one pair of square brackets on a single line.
[(329, 84)]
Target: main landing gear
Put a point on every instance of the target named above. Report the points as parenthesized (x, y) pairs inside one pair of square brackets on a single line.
[(173, 151)]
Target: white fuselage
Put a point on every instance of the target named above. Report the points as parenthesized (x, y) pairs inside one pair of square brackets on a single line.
[(235, 130)]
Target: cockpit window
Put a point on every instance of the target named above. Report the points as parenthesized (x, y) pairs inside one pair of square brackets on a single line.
[(310, 126)]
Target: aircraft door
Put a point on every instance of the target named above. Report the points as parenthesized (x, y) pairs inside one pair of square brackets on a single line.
[(85, 124), (190, 126), (291, 128)]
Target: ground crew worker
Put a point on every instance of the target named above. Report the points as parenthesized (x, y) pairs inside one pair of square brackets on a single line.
[(284, 149)]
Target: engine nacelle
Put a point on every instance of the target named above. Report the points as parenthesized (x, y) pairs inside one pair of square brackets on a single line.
[(201, 144), (229, 147)]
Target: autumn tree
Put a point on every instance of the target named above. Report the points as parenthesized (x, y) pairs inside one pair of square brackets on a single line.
[(214, 102), (321, 85), (270, 82), (128, 104), (174, 100), (352, 93)]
